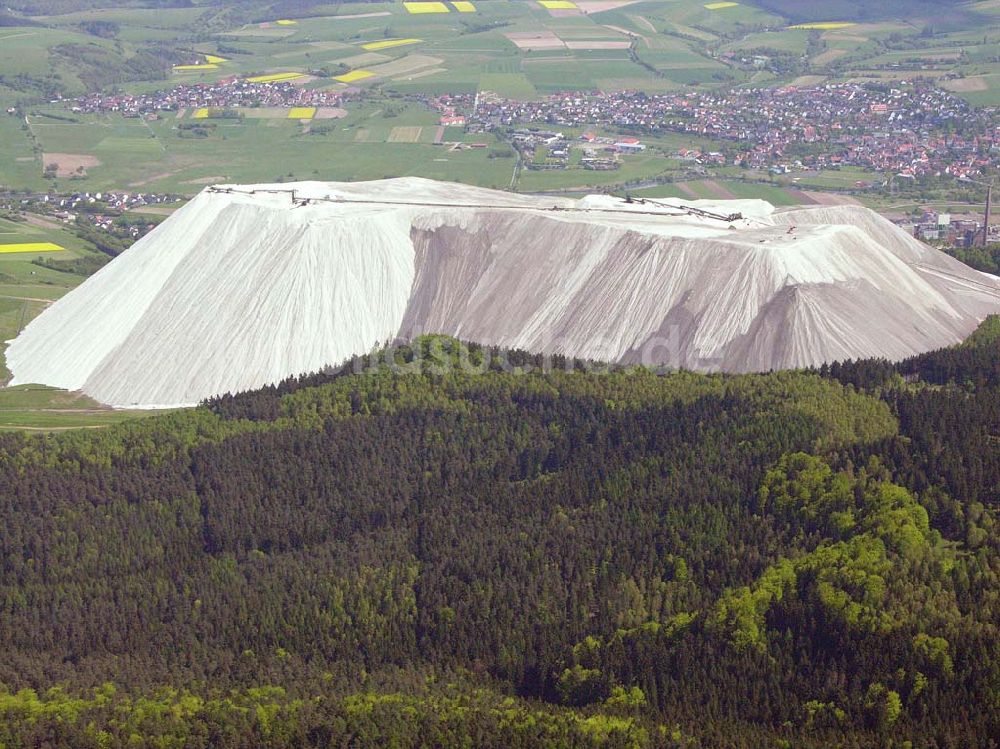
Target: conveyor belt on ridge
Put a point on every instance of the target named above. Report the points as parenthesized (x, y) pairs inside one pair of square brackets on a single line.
[(682, 210)]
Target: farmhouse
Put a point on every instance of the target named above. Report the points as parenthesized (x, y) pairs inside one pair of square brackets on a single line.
[(630, 145)]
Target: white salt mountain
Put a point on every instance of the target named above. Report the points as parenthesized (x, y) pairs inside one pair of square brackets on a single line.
[(245, 286)]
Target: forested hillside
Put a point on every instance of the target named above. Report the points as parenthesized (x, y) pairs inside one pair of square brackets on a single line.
[(520, 555)]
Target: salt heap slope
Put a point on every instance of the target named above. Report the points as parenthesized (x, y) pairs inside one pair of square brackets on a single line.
[(247, 285)]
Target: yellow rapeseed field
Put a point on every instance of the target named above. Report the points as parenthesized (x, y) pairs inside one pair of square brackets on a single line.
[(354, 75), (425, 7), (202, 66), (463, 6), (273, 77), (30, 247), (387, 43), (200, 114), (557, 4), (286, 22), (214, 59), (301, 113), (824, 25), (720, 6)]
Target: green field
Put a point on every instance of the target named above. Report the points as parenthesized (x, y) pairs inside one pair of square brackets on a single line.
[(723, 190), (845, 178), (49, 409)]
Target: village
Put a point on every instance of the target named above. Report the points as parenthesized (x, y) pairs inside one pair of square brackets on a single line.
[(908, 131), (124, 217)]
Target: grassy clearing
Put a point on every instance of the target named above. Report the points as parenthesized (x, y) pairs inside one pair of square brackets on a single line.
[(56, 420), (512, 85), (668, 190), (773, 194), (845, 178), (26, 291), (794, 40), (23, 397)]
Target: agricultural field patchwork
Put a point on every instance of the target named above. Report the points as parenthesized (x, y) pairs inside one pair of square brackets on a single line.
[(612, 43), (518, 49)]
